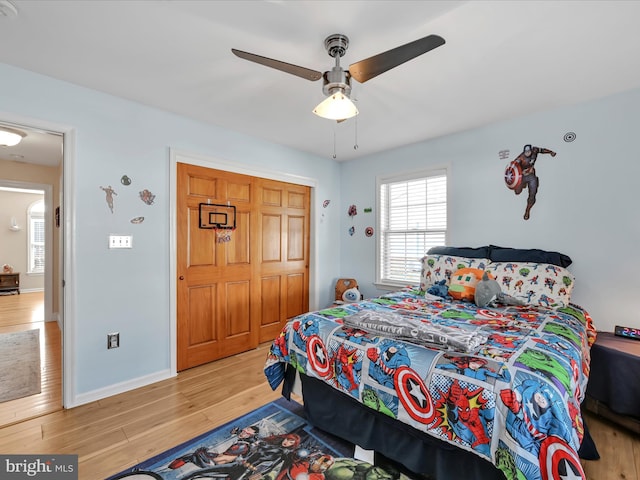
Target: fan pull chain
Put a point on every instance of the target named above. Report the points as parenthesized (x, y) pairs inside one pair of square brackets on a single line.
[(334, 142), (355, 143)]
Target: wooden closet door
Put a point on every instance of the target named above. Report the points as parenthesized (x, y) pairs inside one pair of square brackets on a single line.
[(282, 250), (215, 314), (236, 294)]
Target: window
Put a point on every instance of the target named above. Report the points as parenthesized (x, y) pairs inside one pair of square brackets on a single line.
[(412, 218), (36, 237)]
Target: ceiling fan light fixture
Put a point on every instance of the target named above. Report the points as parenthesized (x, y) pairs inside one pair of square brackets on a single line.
[(336, 106), (337, 81), (10, 137)]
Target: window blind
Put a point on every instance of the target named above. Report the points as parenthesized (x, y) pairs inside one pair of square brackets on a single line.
[(413, 218)]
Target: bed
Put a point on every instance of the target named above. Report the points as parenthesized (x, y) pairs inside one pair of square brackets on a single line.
[(446, 387)]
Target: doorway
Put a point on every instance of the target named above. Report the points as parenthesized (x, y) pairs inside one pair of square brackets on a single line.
[(36, 164)]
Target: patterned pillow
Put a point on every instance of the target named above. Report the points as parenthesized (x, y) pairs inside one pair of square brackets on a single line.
[(539, 284), (440, 267)]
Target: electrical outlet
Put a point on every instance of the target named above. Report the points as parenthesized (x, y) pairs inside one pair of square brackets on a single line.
[(113, 340), (120, 241)]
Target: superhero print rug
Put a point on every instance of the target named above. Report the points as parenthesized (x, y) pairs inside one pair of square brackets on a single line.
[(273, 442)]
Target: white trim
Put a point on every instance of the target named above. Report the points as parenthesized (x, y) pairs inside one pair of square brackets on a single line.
[(68, 297), (411, 174), (56, 318), (34, 290), (67, 270), (31, 217), (121, 387), (211, 162), (178, 156)]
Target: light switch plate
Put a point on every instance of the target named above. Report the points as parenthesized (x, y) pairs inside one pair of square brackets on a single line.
[(120, 241)]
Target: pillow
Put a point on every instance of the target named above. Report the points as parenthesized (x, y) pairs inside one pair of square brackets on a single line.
[(503, 254), (463, 283), (538, 284), (440, 267), (469, 252)]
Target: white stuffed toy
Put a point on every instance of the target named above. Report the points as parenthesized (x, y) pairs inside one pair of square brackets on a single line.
[(351, 295)]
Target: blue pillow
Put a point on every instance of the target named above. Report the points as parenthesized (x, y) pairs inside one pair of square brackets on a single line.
[(468, 252), (504, 254)]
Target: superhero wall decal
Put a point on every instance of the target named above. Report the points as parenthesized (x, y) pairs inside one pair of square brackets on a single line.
[(521, 174)]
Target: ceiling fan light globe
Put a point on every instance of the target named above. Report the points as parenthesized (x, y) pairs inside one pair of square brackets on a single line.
[(10, 137), (336, 106)]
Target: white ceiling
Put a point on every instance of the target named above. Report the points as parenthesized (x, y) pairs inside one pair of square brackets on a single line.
[(502, 59)]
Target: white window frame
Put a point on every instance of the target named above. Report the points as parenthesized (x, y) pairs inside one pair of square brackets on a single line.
[(35, 217), (382, 181)]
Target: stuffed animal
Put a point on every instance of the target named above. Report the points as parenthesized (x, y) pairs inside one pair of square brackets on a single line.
[(489, 293), (463, 283), (351, 295), (344, 284), (439, 289), (487, 290)]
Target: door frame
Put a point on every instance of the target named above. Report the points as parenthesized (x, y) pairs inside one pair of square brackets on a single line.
[(179, 156), (66, 300)]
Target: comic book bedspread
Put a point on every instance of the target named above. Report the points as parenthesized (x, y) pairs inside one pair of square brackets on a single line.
[(514, 400)]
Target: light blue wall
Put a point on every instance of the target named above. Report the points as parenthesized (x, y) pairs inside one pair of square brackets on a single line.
[(586, 205), (128, 291), (586, 208)]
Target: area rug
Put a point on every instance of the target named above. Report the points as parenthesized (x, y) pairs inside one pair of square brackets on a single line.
[(19, 364), (273, 442)]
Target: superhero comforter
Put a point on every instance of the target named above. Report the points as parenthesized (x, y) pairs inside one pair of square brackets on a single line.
[(513, 399)]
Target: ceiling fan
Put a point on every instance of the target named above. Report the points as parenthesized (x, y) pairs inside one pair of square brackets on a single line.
[(337, 81)]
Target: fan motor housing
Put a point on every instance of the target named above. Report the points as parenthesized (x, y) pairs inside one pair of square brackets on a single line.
[(336, 80)]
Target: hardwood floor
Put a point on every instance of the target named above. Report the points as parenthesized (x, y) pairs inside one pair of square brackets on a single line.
[(115, 433), (26, 312), (112, 434)]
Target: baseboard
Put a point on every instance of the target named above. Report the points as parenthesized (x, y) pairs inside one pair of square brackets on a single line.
[(31, 290), (55, 317), (118, 388)]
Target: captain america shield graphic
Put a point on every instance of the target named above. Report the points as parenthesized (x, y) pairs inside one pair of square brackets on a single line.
[(513, 175), (485, 312), (318, 357), (413, 395), (558, 460)]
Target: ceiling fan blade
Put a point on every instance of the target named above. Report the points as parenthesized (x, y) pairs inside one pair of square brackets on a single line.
[(302, 72), (373, 66)]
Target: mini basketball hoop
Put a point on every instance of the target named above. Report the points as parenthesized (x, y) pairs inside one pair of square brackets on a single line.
[(219, 218)]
